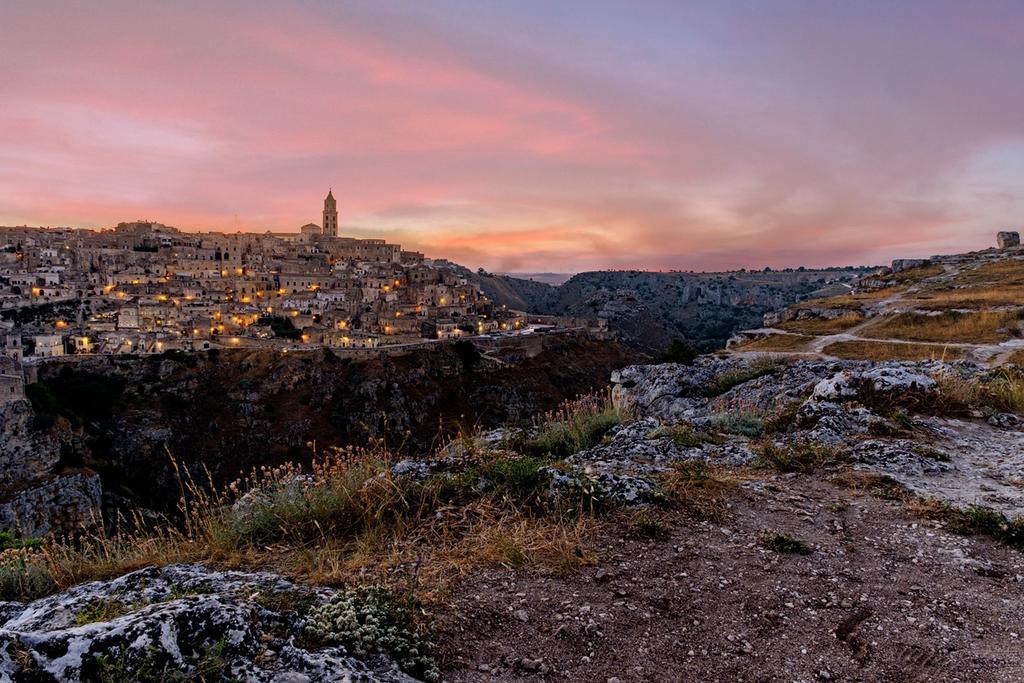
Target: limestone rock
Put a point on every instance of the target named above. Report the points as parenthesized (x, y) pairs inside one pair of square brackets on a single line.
[(1007, 239), (178, 618)]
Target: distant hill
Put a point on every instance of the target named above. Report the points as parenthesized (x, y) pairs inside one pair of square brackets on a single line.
[(554, 279)]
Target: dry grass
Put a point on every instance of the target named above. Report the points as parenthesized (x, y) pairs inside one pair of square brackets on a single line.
[(817, 326), (974, 328), (855, 302), (776, 342), (870, 350), (700, 489), (913, 275), (970, 297), (1008, 272), (1016, 358), (1001, 391), (346, 516)]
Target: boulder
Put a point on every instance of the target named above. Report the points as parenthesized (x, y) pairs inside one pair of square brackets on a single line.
[(902, 264), (885, 379), (1007, 239)]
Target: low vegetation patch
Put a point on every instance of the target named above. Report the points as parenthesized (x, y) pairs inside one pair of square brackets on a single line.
[(857, 302), (991, 296), (370, 620), (784, 544), (912, 275), (575, 426), (975, 521), (699, 489), (745, 422), (979, 327), (882, 351), (783, 418), (800, 456), (1007, 272), (1001, 391), (342, 516), (104, 609)]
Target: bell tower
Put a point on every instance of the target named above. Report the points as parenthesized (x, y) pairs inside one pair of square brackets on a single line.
[(330, 215)]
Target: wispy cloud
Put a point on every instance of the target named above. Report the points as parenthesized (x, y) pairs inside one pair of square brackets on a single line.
[(526, 135)]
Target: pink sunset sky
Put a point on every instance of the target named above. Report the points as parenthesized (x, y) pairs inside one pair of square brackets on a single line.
[(527, 136)]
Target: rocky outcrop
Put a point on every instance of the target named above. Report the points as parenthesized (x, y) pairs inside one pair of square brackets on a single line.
[(1008, 239), (848, 405), (58, 504), (178, 621), (38, 495)]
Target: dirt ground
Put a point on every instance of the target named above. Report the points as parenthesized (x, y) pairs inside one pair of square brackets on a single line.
[(885, 595)]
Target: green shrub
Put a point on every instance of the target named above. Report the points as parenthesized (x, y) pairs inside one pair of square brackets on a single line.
[(647, 525), (576, 426), (9, 540)]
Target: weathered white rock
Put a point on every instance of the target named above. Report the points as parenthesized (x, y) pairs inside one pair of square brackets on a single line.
[(177, 619)]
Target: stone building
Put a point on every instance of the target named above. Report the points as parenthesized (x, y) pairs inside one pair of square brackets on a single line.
[(12, 381)]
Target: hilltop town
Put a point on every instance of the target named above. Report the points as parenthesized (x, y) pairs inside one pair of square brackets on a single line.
[(144, 287)]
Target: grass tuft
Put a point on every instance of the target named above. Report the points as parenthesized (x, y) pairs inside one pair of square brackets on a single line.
[(784, 544)]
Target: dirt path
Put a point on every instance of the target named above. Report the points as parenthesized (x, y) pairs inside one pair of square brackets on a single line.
[(991, 354), (883, 595)]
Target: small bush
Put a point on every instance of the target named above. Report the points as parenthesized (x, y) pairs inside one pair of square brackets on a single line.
[(647, 525), (931, 453), (678, 351), (784, 545), (369, 620), (9, 540), (782, 420)]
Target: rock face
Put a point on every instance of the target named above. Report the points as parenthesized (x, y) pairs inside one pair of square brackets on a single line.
[(646, 310), (236, 411), (837, 404), (902, 264), (1007, 239), (38, 495), (179, 620)]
